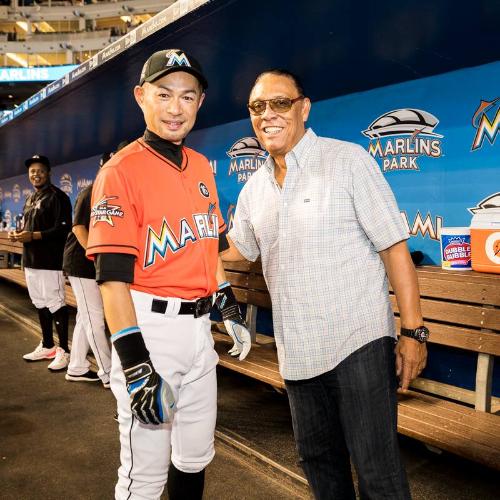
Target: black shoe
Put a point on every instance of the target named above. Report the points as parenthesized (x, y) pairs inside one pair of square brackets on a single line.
[(90, 376)]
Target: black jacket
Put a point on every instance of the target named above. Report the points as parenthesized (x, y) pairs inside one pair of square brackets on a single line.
[(47, 211), (74, 261)]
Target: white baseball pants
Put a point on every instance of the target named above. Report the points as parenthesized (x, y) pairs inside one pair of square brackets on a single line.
[(181, 349), (89, 330), (45, 288)]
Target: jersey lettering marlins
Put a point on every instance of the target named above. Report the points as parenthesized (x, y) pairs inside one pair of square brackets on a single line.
[(140, 208)]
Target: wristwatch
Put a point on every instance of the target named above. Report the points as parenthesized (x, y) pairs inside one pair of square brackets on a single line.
[(421, 334)]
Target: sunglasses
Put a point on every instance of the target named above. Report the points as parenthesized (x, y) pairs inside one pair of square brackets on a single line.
[(278, 105)]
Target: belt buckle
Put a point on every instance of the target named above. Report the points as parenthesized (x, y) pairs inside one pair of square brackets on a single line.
[(201, 308)]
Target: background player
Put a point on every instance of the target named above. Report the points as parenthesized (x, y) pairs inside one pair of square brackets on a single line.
[(90, 328), (154, 234), (46, 222)]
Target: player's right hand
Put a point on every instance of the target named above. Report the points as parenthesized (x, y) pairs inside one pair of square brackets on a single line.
[(151, 398)]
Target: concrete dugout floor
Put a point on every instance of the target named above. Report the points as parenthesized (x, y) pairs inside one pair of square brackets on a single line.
[(58, 439)]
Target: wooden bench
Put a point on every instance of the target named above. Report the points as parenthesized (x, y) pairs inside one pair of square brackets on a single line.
[(462, 310)]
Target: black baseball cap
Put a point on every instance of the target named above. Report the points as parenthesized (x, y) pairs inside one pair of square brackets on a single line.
[(38, 159), (167, 61)]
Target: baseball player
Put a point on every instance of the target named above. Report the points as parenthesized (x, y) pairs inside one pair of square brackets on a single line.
[(155, 234), (46, 222), (89, 327)]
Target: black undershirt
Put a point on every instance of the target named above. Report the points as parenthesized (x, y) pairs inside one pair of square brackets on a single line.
[(119, 266)]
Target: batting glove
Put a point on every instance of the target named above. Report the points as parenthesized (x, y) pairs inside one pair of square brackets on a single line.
[(233, 321), (151, 398)]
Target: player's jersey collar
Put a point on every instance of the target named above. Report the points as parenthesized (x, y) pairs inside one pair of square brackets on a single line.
[(172, 153)]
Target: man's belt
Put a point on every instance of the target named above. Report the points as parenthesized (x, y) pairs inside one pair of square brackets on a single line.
[(197, 308)]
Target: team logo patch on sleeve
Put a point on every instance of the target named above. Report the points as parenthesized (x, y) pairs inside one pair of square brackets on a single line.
[(204, 190), (102, 211)]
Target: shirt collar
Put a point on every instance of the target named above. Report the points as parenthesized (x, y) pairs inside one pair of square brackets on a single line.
[(298, 154)]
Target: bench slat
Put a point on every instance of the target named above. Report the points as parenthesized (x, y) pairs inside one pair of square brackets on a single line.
[(463, 314), (478, 293), (451, 427)]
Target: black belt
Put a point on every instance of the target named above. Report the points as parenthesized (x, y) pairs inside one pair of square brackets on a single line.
[(196, 309)]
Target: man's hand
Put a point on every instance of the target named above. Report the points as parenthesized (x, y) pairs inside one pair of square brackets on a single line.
[(411, 357), (233, 321), (12, 236), (24, 236), (152, 400)]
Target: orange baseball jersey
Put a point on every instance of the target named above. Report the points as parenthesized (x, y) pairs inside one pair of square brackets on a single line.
[(167, 216)]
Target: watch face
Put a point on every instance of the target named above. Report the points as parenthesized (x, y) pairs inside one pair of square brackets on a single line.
[(422, 333)]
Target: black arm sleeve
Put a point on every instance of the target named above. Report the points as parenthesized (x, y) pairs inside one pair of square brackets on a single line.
[(114, 267), (223, 243)]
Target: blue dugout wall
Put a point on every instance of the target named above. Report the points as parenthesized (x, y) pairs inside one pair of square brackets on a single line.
[(435, 139)]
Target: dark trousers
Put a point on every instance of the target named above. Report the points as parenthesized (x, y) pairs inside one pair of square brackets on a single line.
[(351, 412)]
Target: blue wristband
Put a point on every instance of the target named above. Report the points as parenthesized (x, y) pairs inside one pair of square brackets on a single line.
[(224, 285), (126, 331)]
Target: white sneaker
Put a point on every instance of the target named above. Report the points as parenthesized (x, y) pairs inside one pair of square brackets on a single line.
[(41, 353), (61, 361)]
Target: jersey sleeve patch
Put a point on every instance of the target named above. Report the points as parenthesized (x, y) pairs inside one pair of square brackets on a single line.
[(104, 210)]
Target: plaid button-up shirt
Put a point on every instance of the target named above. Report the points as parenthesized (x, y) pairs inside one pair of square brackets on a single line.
[(319, 237)]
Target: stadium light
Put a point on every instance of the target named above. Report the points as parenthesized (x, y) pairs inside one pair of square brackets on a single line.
[(18, 59)]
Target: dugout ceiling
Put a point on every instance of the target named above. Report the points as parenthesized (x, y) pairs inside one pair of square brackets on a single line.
[(337, 47)]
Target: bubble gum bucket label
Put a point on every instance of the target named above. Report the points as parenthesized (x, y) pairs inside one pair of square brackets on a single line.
[(455, 251)]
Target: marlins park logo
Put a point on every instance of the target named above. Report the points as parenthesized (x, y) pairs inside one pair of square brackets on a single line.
[(66, 183), (247, 156), (486, 121), (401, 137)]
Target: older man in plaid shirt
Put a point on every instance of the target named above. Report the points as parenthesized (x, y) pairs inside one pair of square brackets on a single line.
[(325, 223)]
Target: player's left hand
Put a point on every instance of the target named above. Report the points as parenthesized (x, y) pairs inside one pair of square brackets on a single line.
[(411, 358), (233, 321), (241, 338)]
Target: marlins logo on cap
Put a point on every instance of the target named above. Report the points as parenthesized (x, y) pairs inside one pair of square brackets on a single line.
[(167, 61)]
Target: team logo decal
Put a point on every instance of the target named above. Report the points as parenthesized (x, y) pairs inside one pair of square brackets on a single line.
[(66, 183), (203, 190), (159, 243), (16, 192), (177, 58), (400, 137), (424, 226), (247, 156), (102, 211), (491, 201), (486, 121)]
